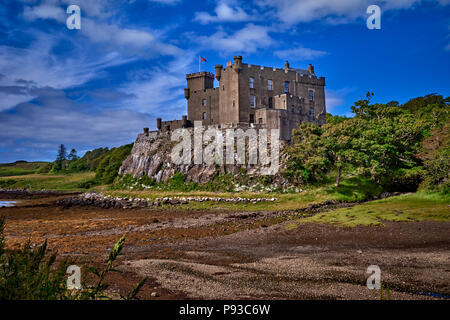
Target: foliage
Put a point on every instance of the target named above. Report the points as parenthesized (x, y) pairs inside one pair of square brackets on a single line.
[(30, 274), (334, 119), (108, 168), (307, 161), (436, 155), (89, 162), (60, 161), (6, 184), (72, 155), (98, 291), (382, 141), (385, 293)]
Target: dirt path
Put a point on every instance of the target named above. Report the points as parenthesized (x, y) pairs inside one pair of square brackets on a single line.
[(215, 254)]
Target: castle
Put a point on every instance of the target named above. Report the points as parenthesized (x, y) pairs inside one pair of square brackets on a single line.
[(253, 96)]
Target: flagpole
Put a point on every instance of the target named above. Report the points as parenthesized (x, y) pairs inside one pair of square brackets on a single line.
[(199, 62)]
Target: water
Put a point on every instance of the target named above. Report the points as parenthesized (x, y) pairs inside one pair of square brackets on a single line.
[(7, 204)]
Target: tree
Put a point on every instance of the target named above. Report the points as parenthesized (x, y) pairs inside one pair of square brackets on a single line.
[(341, 142), (73, 155), (436, 155), (61, 158), (307, 161)]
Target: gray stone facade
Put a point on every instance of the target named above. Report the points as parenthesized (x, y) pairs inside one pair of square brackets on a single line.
[(263, 97)]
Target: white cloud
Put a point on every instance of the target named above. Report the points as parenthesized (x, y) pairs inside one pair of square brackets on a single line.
[(299, 54), (246, 40), (39, 65), (44, 11), (159, 90), (333, 100), (336, 98), (224, 13), (332, 11), (129, 41), (57, 120), (168, 2)]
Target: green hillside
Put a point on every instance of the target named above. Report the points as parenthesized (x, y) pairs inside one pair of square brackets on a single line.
[(20, 168)]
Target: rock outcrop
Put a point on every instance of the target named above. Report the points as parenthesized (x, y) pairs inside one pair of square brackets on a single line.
[(93, 199), (151, 156)]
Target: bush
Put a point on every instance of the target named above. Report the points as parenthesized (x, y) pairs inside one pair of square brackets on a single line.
[(108, 168), (5, 184), (30, 274)]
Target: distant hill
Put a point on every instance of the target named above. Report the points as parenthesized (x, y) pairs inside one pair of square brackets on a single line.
[(20, 168)]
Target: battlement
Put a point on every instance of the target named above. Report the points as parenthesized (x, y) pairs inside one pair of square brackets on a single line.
[(199, 74)]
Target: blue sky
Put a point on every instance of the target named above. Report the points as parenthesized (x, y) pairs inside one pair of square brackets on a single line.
[(99, 86)]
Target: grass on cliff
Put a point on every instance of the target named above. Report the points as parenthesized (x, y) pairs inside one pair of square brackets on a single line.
[(57, 182), (405, 208)]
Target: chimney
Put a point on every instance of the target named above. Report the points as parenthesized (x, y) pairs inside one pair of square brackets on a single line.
[(310, 69), (158, 123), (146, 131), (237, 64)]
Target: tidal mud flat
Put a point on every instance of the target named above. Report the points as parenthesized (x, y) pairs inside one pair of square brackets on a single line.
[(218, 254)]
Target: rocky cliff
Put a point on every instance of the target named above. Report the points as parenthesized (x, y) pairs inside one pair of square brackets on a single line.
[(151, 156)]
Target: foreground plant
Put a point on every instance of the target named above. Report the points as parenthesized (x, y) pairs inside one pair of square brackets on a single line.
[(30, 274)]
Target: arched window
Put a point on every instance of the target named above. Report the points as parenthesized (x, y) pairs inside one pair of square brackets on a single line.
[(252, 83)]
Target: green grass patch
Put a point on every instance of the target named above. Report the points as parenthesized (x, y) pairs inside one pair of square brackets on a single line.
[(57, 182), (355, 189), (405, 208), (20, 168)]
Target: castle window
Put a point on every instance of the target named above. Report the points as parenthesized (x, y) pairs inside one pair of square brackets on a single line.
[(311, 95), (252, 101), (292, 109), (312, 113), (269, 85), (204, 116), (299, 109), (204, 102), (270, 102), (260, 120), (252, 118), (286, 87), (252, 83)]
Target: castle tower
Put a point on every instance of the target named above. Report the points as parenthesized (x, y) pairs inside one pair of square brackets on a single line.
[(200, 81)]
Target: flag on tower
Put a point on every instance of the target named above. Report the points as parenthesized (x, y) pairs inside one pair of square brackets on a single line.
[(200, 60)]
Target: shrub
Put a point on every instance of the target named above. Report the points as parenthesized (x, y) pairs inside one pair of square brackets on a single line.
[(7, 183), (30, 274), (108, 168)]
